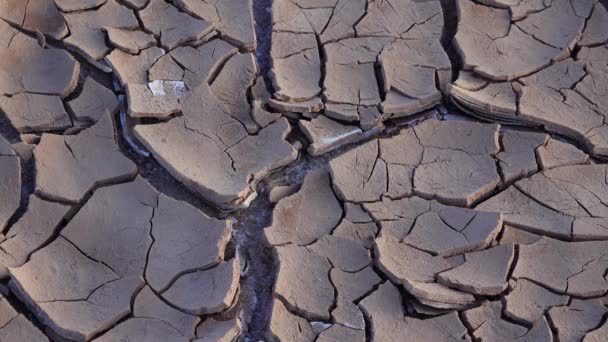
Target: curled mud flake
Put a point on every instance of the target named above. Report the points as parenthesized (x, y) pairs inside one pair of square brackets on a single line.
[(518, 158), (483, 273), (353, 286), (431, 233), (423, 266), (411, 87), (130, 41), (279, 192), (497, 99), (512, 235), (556, 153), (232, 18), (86, 29), (136, 4), (201, 64), (134, 68), (326, 134), (296, 67), (313, 105), (306, 216), (78, 5), (172, 26), (350, 78), (209, 138), (232, 85)]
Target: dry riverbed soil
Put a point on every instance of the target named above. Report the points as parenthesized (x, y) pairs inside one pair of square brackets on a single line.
[(303, 170)]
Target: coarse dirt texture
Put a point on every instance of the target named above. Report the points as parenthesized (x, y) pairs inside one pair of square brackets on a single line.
[(292, 170)]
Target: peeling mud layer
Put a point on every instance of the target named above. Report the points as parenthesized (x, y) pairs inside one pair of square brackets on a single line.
[(290, 170)]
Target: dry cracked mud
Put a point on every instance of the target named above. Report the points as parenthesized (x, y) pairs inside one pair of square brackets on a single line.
[(537, 64), (290, 170), (444, 231)]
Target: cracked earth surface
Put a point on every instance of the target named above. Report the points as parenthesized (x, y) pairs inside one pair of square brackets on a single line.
[(292, 170)]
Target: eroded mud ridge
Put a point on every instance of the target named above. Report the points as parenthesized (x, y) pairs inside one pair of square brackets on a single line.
[(157, 186)]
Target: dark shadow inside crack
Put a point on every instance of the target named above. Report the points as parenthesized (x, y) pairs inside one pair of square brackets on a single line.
[(450, 27), (259, 272), (259, 276), (160, 178), (263, 29), (20, 307), (7, 130), (28, 186)]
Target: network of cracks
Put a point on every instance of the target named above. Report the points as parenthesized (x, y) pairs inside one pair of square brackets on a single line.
[(303, 170)]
